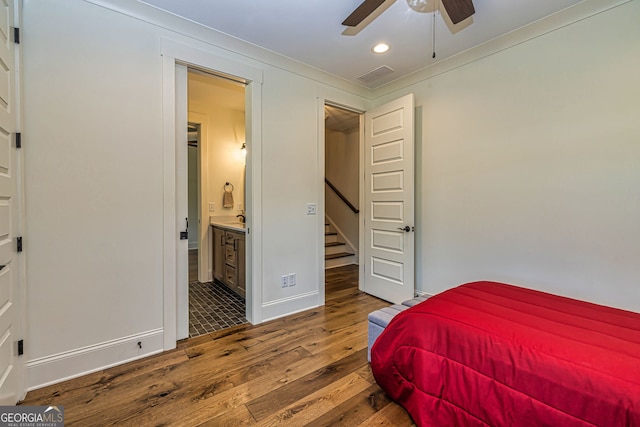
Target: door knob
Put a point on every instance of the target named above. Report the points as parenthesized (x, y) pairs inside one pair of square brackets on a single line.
[(406, 228)]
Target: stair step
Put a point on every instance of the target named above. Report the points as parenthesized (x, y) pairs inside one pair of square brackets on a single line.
[(329, 244), (347, 259), (331, 248), (338, 255), (335, 253), (330, 237)]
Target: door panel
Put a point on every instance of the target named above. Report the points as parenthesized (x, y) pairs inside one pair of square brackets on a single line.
[(389, 201), (11, 370)]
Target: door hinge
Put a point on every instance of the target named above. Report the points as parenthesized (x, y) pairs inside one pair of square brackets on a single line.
[(16, 35), (18, 139), (20, 347), (19, 244)]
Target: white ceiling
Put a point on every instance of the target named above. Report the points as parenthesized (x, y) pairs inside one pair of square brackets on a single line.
[(310, 31)]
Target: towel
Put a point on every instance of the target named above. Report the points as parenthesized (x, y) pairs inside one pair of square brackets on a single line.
[(227, 199)]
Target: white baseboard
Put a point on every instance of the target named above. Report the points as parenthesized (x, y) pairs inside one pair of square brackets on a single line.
[(286, 306), (60, 367)]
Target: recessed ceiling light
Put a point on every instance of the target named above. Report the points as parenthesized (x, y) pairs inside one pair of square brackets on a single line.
[(381, 48)]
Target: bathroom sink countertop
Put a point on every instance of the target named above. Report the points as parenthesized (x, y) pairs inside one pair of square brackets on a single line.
[(230, 223)]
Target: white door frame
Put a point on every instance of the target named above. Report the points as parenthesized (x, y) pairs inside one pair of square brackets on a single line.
[(174, 52), (358, 105)]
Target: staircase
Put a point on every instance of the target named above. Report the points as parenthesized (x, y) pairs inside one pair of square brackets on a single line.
[(336, 251)]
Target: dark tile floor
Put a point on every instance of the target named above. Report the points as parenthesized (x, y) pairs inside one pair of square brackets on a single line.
[(212, 307)]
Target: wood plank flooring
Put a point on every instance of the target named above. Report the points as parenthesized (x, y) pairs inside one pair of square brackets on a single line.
[(308, 369)]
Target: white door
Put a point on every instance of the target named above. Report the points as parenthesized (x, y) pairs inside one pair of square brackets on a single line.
[(389, 206), (11, 369), (182, 205)]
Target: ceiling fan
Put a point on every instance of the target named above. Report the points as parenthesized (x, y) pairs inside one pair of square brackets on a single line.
[(458, 10)]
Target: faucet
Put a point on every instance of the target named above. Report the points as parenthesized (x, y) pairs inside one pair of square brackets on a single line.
[(241, 218)]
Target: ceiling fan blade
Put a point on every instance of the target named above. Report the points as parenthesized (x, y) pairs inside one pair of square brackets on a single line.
[(362, 12), (458, 10)]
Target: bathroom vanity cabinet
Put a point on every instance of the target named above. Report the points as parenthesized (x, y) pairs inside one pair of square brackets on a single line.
[(218, 254), (229, 259)]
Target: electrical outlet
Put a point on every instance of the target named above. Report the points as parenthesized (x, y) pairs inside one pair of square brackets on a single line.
[(284, 280), (212, 206), (292, 279), (311, 208)]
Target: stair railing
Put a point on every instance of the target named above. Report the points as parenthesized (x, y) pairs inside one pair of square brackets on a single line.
[(342, 197)]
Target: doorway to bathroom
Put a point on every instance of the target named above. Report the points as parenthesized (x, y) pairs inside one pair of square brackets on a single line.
[(215, 221), (177, 59)]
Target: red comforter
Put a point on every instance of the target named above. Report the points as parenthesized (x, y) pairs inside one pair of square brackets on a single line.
[(491, 354)]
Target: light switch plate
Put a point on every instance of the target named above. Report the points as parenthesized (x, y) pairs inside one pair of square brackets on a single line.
[(311, 208), (212, 206)]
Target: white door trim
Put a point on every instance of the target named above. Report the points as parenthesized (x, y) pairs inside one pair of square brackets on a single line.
[(173, 52)]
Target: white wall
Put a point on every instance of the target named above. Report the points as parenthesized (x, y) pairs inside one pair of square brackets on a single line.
[(528, 164), (342, 154), (93, 175), (289, 182), (94, 183)]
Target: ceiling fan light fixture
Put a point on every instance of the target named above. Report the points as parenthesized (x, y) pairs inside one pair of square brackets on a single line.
[(380, 48), (421, 6)]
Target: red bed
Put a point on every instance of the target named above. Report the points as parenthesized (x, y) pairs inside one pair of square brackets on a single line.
[(491, 354)]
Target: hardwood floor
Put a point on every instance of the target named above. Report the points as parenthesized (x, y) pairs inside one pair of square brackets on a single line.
[(309, 368)]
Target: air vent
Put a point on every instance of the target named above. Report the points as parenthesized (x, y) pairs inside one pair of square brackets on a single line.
[(376, 74)]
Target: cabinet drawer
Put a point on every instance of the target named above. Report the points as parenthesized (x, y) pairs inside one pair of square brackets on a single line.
[(231, 276), (230, 256)]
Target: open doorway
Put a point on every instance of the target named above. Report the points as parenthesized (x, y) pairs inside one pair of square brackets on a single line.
[(216, 202), (342, 194), (177, 58)]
